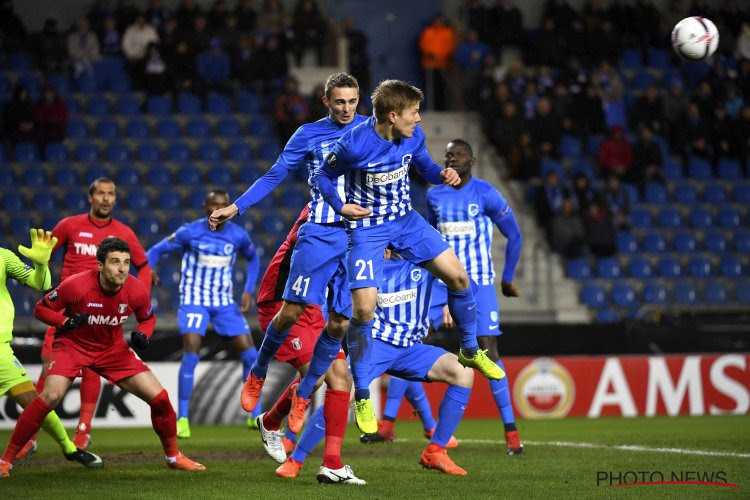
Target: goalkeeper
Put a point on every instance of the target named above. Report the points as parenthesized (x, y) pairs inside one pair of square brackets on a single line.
[(13, 378)]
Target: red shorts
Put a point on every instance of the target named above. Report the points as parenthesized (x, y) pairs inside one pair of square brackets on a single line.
[(49, 339), (116, 363), (298, 347)]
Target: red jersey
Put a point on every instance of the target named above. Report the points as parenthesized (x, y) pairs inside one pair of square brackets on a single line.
[(107, 311), (274, 280), (80, 235)]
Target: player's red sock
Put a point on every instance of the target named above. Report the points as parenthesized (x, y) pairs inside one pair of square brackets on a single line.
[(335, 413), (27, 426), (91, 385), (164, 420), (272, 419)]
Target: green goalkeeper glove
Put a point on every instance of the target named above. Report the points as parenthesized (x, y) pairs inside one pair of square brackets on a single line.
[(42, 243)]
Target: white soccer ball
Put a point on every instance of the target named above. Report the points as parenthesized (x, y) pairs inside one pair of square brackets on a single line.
[(695, 38)]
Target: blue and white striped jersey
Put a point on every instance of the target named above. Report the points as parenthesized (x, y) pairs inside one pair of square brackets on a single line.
[(208, 261), (307, 148), (464, 217), (401, 317), (377, 171)]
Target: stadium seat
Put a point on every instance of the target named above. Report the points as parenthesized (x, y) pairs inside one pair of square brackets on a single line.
[(196, 197), (701, 218), (138, 199), (260, 127), (159, 105), (228, 128), (189, 175), (639, 267), (26, 152), (169, 200), (672, 169), (148, 152), (729, 217), (293, 197), (607, 315), (240, 151), (247, 102), (209, 151), (94, 172), (552, 166), (643, 79), (578, 268), (626, 242), (631, 59), (118, 152), (684, 192), (127, 176), (86, 82), (127, 105), (715, 293), (14, 202), (669, 267), (742, 292), (107, 129), (87, 152), (741, 193), (98, 106), (75, 201), (174, 222), (218, 104), (55, 152), (623, 295), (159, 176), (168, 129), (44, 201), (714, 241), (640, 218), (741, 241), (148, 225), (138, 129), (34, 176), (20, 61), (730, 266), (684, 293), (670, 217), (699, 169), (32, 83), (198, 128), (684, 242), (729, 169), (653, 241), (714, 193), (65, 175), (77, 129), (273, 223), (188, 104), (219, 174), (655, 192), (608, 268), (658, 58), (249, 173), (570, 147), (699, 266), (654, 293), (178, 151), (593, 295)]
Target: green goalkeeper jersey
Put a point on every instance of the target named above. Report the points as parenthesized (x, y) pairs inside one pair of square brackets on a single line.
[(11, 266)]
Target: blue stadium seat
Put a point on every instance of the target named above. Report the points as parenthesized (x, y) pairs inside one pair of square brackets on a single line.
[(127, 105), (714, 193), (623, 295), (273, 223), (75, 201), (268, 151), (714, 241), (654, 293), (729, 217), (701, 218), (169, 273), (98, 106), (199, 128), (552, 166), (118, 152), (729, 169), (159, 105), (60, 82), (570, 147), (168, 129), (593, 296), (93, 172), (715, 293), (188, 104), (658, 58), (247, 102), (190, 175), (294, 197), (669, 267), (655, 192), (174, 222), (240, 151), (631, 59), (32, 83), (56, 152), (34, 176), (643, 79), (169, 200), (260, 127), (229, 128), (730, 266), (77, 129), (218, 104), (127, 176), (672, 169), (86, 82), (626, 242), (741, 241), (148, 225), (699, 169), (196, 197), (14, 202), (684, 293), (249, 173), (138, 199), (741, 193), (138, 129), (640, 218), (608, 267), (159, 175), (742, 292), (178, 151), (220, 174), (699, 266), (209, 151), (26, 152), (585, 167), (7, 178), (684, 242), (65, 175), (19, 226), (44, 201), (670, 217), (148, 151), (607, 315), (639, 267), (20, 61), (87, 152), (107, 129), (684, 192), (653, 241), (578, 268)]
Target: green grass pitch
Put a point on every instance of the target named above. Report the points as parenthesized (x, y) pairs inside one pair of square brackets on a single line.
[(563, 460)]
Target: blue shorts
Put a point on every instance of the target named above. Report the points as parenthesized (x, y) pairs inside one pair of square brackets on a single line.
[(488, 313), (317, 273), (411, 236), (228, 321), (410, 363)]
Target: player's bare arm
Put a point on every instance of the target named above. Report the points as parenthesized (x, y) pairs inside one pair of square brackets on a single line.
[(246, 302), (354, 212), (450, 177), (222, 215)]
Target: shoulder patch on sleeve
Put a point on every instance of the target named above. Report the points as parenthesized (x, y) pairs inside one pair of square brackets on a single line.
[(331, 159)]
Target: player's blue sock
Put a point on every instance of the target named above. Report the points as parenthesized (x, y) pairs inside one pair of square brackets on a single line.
[(501, 393), (463, 308), (315, 431), (418, 398), (247, 357), (396, 389), (326, 348), (291, 436), (359, 344), (185, 382), (451, 410), (271, 343)]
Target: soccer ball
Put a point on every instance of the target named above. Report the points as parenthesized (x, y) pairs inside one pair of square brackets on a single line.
[(695, 38)]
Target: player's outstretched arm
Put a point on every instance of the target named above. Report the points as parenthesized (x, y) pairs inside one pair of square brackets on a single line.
[(42, 244)]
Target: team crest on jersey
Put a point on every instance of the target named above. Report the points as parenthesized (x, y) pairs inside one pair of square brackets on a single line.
[(297, 344), (331, 159), (406, 160), (228, 249), (473, 209), (416, 274), (52, 296), (122, 308)]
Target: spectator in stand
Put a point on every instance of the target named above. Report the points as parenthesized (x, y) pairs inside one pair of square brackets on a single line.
[(588, 113), (157, 14), (155, 72), (315, 105), (568, 236), (98, 14), (135, 41), (199, 37), (169, 34), (647, 159), (546, 128), (244, 64), (673, 13), (51, 50), (615, 155), (549, 45), (646, 24), (229, 34), (742, 135), (214, 68), (182, 63), (523, 159), (187, 12), (648, 111), (743, 42), (696, 139), (545, 80), (127, 14), (722, 134), (621, 16), (618, 202), (272, 58), (549, 200), (437, 43), (701, 8), (505, 128), (505, 26), (494, 106), (563, 14), (83, 47), (12, 29), (309, 29), (273, 21), (733, 101), (600, 229), (606, 80), (478, 18), (529, 100), (18, 117), (290, 110), (575, 76), (111, 41), (359, 61), (50, 117), (675, 112), (583, 192), (704, 97), (470, 56), (217, 15), (614, 110), (743, 78), (247, 17)]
